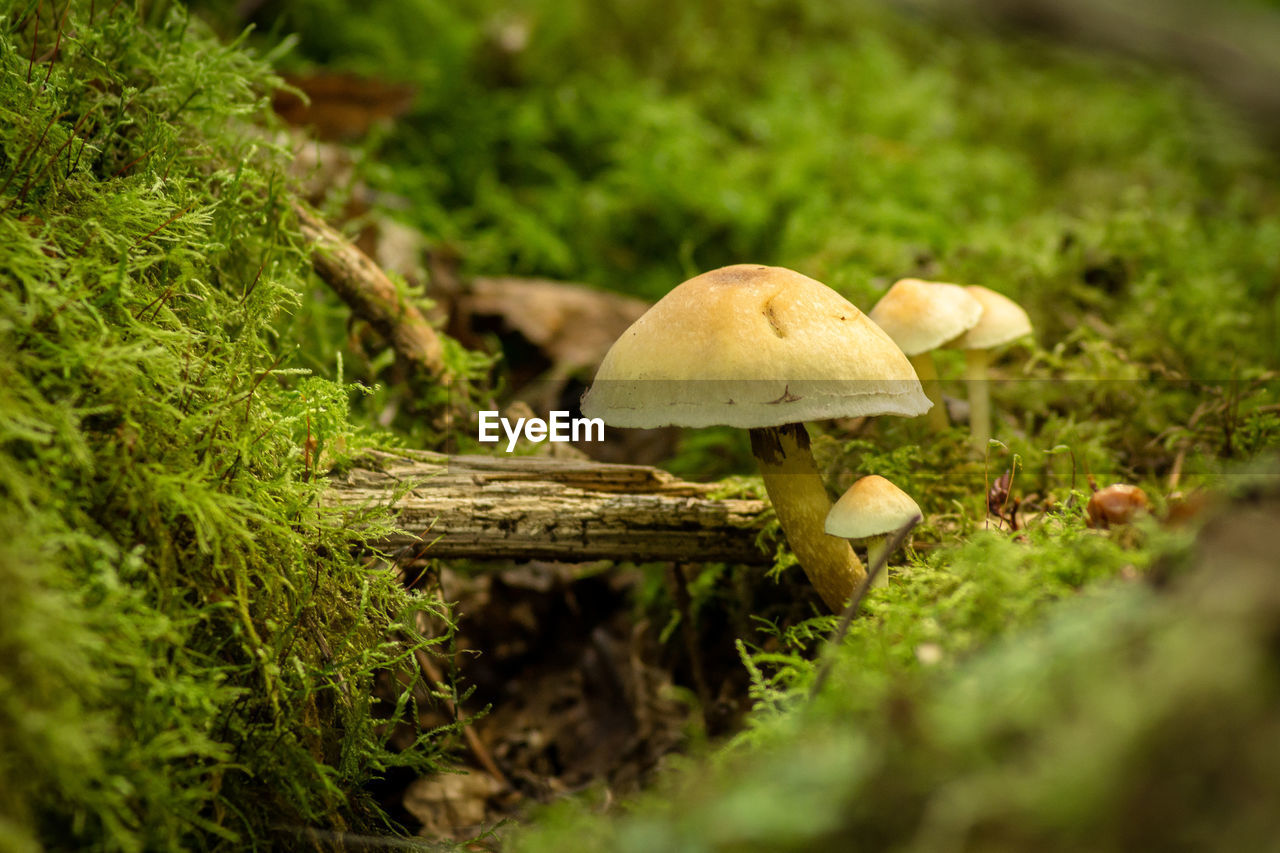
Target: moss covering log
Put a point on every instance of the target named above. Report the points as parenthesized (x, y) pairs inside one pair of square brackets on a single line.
[(187, 647)]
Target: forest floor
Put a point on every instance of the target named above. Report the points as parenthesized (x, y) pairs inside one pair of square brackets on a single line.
[(225, 288)]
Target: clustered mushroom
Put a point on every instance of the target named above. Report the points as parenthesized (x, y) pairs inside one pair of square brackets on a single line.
[(1002, 322), (765, 349), (921, 316)]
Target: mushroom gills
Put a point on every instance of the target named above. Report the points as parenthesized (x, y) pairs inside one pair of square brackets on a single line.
[(876, 546)]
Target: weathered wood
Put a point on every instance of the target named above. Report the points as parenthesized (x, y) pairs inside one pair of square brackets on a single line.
[(489, 508)]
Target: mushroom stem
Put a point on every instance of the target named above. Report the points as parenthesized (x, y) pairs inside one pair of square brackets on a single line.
[(975, 374), (875, 548), (927, 372), (801, 502)]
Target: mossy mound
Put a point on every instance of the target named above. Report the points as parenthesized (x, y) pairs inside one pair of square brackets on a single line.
[(1139, 715), (187, 640)]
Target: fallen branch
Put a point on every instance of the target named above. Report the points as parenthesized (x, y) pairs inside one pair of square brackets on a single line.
[(371, 295), (534, 508)]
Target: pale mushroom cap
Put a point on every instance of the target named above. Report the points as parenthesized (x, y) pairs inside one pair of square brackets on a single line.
[(923, 315), (751, 346), (1002, 321), (871, 507)]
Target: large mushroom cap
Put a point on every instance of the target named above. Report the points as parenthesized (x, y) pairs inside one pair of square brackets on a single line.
[(871, 507), (923, 315), (1002, 321), (751, 346)]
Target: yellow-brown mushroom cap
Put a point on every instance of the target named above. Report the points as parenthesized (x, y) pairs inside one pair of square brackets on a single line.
[(872, 506), (1002, 321), (923, 315), (751, 346)]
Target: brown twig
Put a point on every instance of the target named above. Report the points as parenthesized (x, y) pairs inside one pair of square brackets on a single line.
[(157, 303), (35, 39), (57, 44), (134, 161), (1184, 444), (477, 747), (371, 294), (163, 225), (26, 154), (680, 586), (249, 290)]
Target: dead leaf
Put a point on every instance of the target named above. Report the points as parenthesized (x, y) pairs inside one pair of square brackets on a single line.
[(342, 106), (572, 324), (450, 801)]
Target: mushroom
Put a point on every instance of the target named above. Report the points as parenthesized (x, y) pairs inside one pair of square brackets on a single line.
[(921, 316), (1119, 503), (765, 349), (1002, 322), (871, 509)]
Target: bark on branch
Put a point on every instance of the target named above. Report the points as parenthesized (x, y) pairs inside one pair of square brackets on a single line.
[(371, 295), (489, 508)]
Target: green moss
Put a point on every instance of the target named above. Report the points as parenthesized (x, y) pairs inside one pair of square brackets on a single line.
[(633, 145), (1128, 716), (188, 644)]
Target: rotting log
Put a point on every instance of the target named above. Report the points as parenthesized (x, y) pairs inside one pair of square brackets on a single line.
[(536, 508)]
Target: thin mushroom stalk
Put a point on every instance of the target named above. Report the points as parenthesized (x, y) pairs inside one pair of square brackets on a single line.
[(800, 499), (875, 552), (976, 361), (927, 372), (1002, 322)]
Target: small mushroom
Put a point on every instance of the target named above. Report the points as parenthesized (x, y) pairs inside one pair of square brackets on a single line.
[(921, 316), (870, 510), (762, 348), (1119, 503), (1003, 321)]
